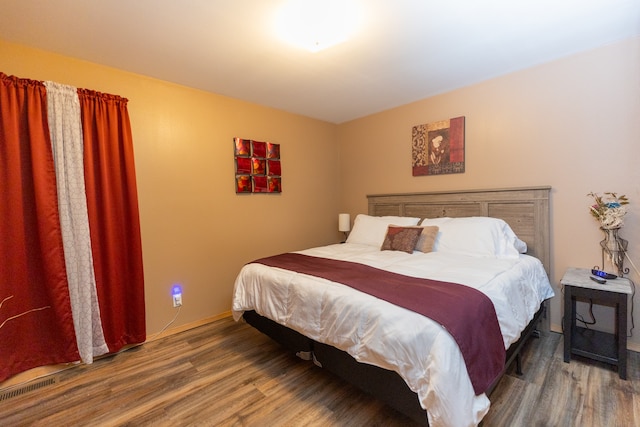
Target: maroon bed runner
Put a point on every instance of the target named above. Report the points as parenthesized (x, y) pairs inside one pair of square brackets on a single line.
[(466, 313)]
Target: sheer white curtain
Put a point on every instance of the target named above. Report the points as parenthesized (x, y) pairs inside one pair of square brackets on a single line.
[(63, 111)]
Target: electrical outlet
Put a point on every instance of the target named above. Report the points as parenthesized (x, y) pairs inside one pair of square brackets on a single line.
[(177, 300), (176, 295)]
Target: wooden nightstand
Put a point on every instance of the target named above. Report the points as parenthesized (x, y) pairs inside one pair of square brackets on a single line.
[(597, 345)]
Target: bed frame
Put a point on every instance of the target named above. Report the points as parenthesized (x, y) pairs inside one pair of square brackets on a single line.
[(526, 210)]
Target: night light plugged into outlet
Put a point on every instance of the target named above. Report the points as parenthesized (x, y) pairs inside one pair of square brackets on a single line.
[(176, 294)]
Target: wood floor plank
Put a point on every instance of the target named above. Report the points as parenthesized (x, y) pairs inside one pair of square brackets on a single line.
[(228, 374)]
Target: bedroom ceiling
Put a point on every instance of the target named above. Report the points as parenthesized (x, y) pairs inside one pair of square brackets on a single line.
[(402, 51)]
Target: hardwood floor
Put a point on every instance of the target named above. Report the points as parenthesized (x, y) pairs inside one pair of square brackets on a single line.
[(228, 374)]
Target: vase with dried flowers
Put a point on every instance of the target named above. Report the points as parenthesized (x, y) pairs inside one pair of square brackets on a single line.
[(609, 210)]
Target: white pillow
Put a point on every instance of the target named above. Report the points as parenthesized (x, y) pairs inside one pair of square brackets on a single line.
[(476, 236), (520, 245), (371, 230)]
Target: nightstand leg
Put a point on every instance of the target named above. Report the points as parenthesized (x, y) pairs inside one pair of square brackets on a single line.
[(621, 315), (569, 313)]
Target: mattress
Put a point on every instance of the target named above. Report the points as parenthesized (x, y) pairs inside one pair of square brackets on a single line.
[(379, 333)]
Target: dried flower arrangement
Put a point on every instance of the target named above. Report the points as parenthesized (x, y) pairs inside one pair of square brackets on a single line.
[(609, 209)]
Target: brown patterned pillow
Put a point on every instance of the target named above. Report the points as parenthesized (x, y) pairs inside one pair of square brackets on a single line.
[(401, 238), (427, 238)]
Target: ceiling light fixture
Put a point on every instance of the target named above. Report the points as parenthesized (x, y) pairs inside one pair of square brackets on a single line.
[(317, 24)]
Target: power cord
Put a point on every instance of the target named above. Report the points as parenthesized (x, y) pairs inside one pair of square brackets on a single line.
[(155, 337), (579, 317), (586, 323), (633, 292)]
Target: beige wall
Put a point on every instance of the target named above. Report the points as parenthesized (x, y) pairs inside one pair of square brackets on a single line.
[(195, 230), (573, 124)]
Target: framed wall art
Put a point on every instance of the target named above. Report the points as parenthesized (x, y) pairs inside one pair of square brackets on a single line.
[(257, 166), (438, 147)]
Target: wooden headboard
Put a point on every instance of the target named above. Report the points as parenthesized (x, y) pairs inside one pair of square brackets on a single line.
[(526, 210)]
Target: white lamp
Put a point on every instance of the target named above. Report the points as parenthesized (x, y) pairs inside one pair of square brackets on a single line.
[(344, 224)]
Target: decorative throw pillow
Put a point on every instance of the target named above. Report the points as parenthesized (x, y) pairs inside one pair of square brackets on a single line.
[(401, 238), (427, 238), (370, 230)]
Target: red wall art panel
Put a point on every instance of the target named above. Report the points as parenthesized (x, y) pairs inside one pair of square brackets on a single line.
[(258, 168), (438, 147)]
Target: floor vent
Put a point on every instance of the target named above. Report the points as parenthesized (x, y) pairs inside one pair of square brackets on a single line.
[(26, 388)]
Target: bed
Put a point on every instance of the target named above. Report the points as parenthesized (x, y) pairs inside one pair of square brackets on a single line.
[(415, 364)]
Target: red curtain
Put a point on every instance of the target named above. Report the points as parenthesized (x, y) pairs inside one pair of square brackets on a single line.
[(33, 280), (112, 203)]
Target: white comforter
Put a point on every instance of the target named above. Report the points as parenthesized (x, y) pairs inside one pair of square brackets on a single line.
[(379, 333)]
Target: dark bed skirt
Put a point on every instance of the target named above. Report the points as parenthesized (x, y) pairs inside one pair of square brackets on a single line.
[(288, 338), (381, 383)]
